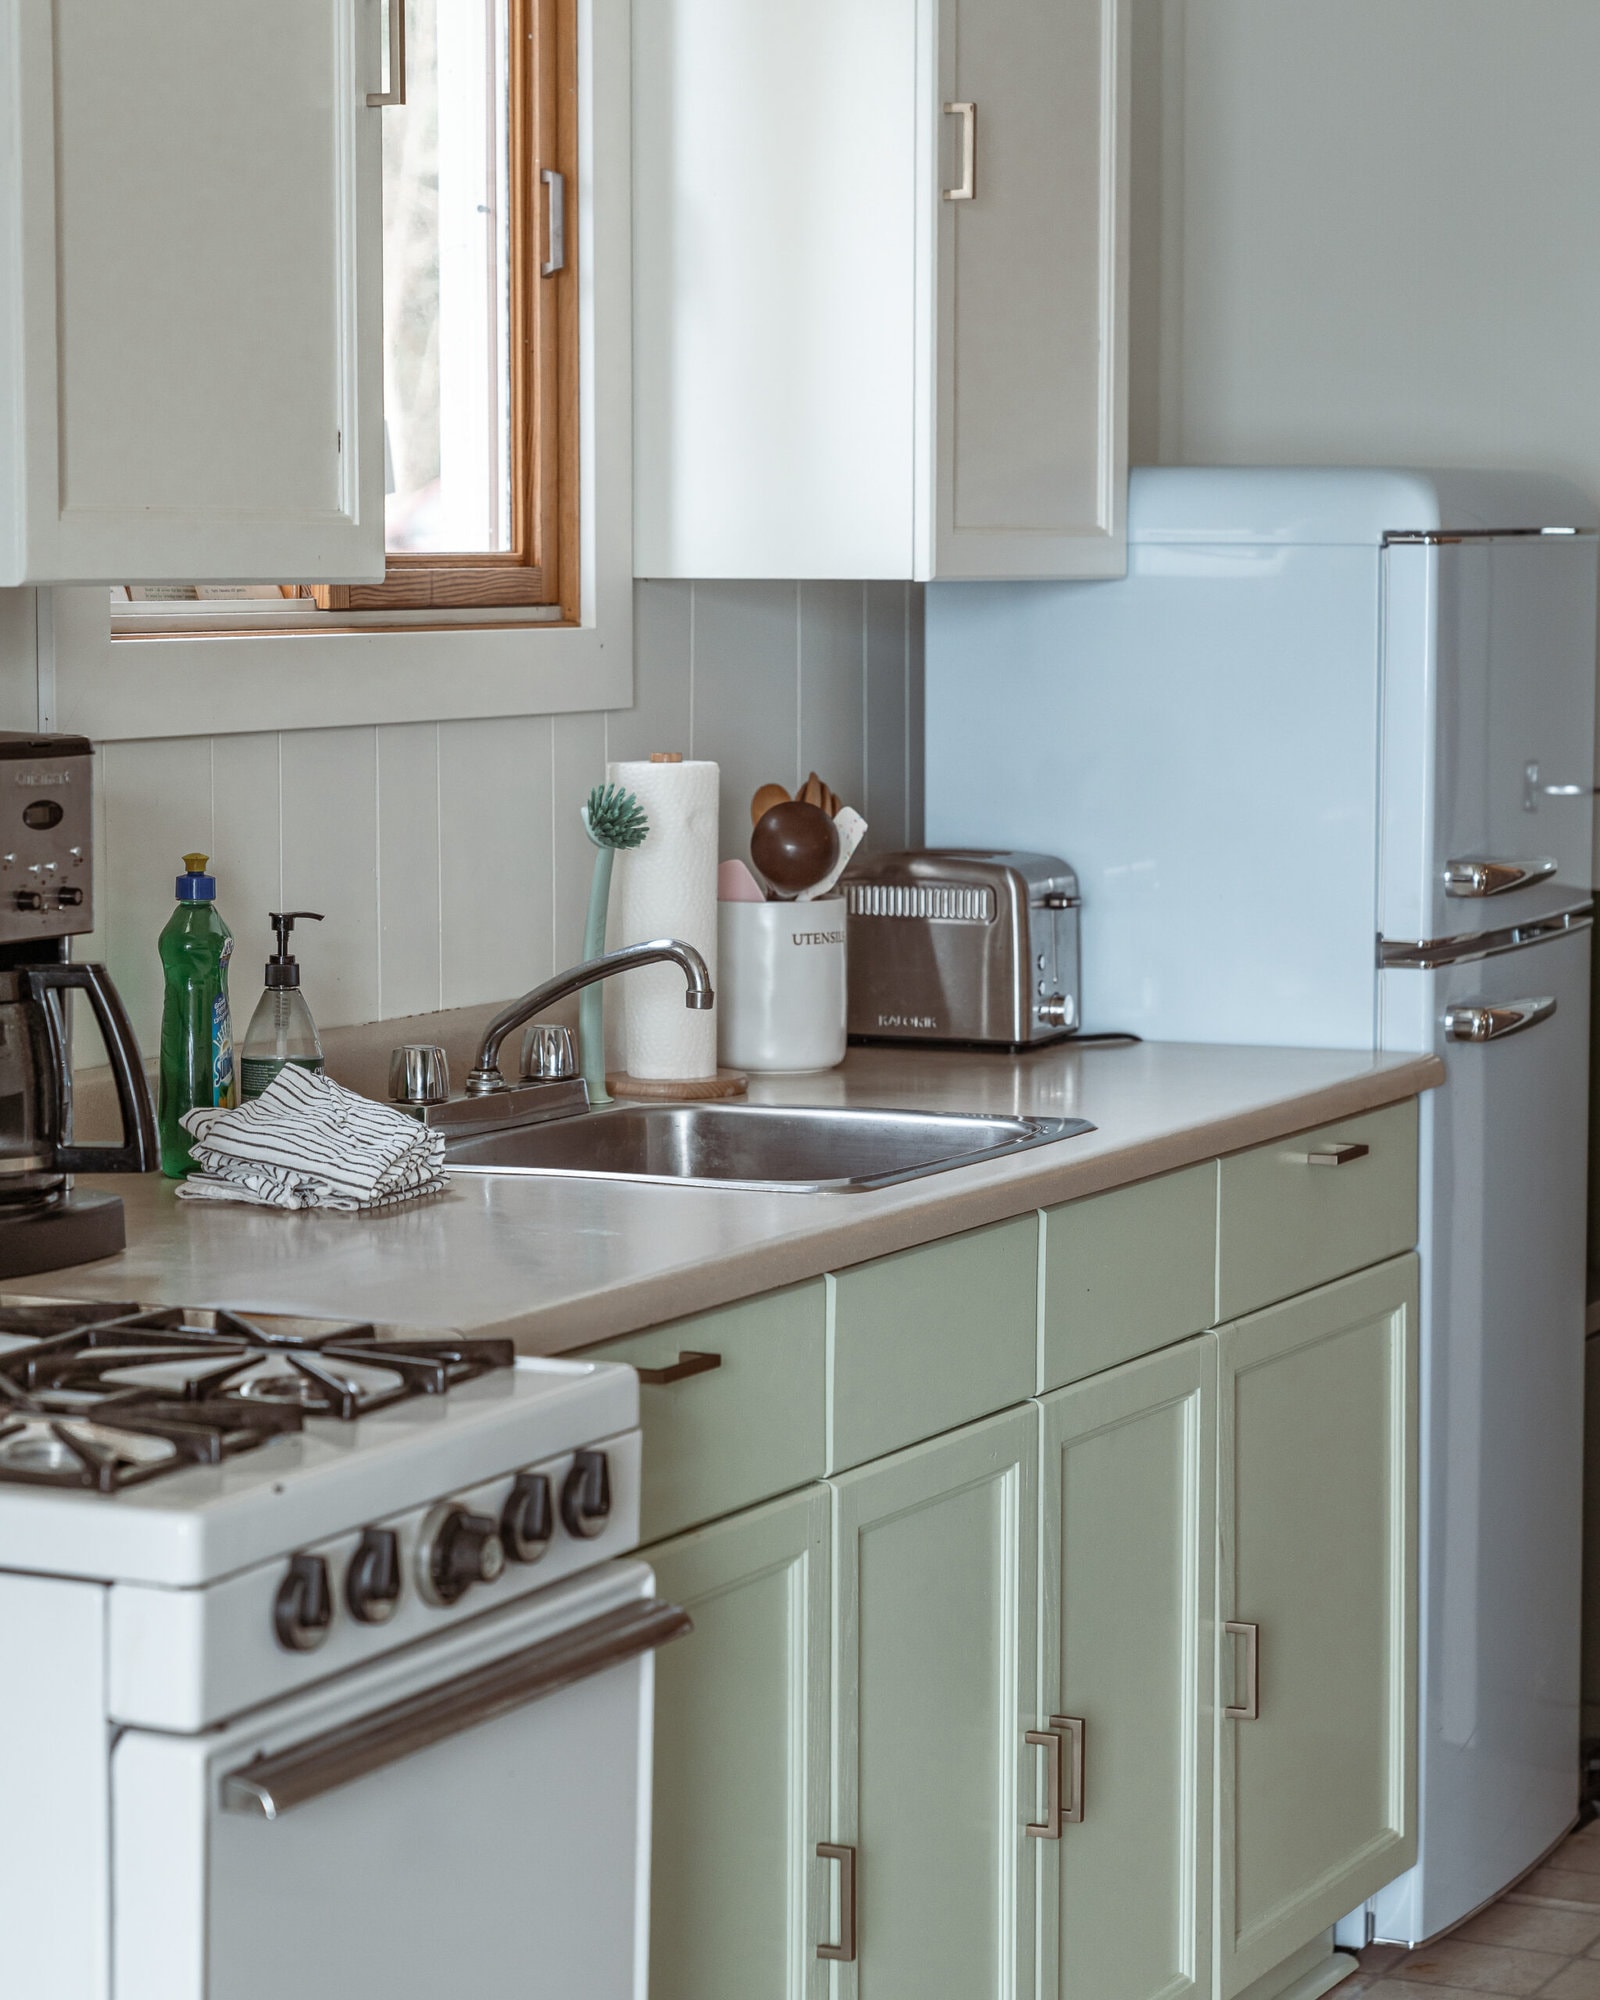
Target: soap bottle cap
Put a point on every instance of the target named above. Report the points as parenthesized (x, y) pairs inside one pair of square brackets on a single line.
[(196, 886), (283, 968)]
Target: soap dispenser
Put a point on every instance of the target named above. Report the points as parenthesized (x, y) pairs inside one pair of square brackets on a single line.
[(281, 1029)]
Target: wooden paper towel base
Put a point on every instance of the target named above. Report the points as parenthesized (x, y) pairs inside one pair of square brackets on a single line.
[(694, 1089)]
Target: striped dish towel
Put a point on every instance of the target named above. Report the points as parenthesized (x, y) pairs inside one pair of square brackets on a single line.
[(307, 1142)]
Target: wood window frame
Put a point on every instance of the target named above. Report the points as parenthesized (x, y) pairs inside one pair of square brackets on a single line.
[(542, 568)]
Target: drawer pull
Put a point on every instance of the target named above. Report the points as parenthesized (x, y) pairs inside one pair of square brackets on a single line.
[(845, 1950), (688, 1363), (1249, 1710), (1337, 1155), (1048, 1828)]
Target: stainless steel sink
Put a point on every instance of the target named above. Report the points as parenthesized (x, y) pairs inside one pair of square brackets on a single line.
[(754, 1145)]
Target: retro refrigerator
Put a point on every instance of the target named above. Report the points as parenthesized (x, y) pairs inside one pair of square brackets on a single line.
[(1324, 765)]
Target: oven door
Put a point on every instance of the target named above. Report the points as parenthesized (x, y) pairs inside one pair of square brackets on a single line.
[(469, 1817)]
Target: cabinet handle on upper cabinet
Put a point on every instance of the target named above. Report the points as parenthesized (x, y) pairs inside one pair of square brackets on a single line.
[(968, 186), (396, 93), (1048, 1828), (1339, 1154), (688, 1363), (555, 186), (845, 1949), (1249, 1710)]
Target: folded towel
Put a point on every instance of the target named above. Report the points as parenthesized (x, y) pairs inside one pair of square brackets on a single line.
[(307, 1142)]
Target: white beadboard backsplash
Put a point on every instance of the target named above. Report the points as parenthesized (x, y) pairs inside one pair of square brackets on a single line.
[(448, 858)]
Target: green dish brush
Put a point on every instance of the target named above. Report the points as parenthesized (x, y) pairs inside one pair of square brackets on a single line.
[(613, 819)]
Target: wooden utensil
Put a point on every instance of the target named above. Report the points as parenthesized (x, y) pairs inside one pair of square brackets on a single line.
[(794, 845), (765, 799)]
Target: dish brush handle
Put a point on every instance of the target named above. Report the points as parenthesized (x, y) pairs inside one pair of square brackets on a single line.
[(591, 1001)]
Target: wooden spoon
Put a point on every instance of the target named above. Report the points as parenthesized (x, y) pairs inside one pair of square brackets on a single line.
[(765, 799), (794, 845)]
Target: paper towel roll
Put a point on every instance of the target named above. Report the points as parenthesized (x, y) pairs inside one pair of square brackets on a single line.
[(668, 888)]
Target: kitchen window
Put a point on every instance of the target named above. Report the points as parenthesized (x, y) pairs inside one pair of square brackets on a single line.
[(480, 336)]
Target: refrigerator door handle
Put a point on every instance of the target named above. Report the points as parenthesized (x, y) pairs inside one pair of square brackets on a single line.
[(1481, 875), (1492, 1021)]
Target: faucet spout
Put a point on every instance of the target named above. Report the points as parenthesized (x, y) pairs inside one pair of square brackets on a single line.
[(485, 1075)]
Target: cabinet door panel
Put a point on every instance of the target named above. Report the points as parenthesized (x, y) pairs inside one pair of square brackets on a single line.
[(1031, 456), (1317, 1502), (197, 278), (741, 1759), (1128, 1497), (934, 1669)]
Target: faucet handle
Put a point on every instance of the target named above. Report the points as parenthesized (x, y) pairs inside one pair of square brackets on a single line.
[(419, 1073), (548, 1054)]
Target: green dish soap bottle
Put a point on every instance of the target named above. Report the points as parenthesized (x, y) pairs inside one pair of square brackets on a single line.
[(281, 1029), (196, 1028)]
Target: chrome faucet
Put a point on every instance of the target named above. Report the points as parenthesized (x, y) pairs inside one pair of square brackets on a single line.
[(485, 1076)]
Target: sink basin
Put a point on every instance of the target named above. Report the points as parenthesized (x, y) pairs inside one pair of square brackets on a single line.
[(754, 1145)]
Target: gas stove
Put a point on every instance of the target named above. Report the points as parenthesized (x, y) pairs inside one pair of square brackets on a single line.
[(175, 1446), (359, 1576)]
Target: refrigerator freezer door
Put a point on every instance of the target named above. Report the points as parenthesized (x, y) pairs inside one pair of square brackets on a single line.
[(1503, 1219), (1488, 691)]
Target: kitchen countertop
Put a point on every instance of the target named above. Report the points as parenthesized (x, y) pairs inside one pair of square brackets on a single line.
[(555, 1264)]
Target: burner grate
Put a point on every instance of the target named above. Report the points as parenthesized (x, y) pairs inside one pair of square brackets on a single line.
[(106, 1397)]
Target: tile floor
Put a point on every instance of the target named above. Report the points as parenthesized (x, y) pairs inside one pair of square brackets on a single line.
[(1542, 1938)]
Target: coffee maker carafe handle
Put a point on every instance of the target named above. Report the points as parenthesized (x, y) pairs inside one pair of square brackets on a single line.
[(137, 1152)]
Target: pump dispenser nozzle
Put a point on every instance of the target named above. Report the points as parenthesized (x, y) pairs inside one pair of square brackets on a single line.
[(283, 969)]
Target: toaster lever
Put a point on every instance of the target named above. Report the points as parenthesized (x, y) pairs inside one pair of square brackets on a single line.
[(1059, 900)]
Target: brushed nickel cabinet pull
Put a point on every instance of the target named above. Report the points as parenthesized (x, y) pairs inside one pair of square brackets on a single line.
[(688, 1363), (396, 93), (1075, 1729), (1249, 1710), (1339, 1155), (1048, 1828), (967, 188), (845, 1950)]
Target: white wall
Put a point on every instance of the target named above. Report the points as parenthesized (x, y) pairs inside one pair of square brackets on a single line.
[(1368, 231), (448, 857)]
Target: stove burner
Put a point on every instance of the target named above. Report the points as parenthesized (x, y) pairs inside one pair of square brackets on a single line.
[(107, 1396)]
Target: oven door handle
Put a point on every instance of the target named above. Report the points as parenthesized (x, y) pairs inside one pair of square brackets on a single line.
[(272, 1786)]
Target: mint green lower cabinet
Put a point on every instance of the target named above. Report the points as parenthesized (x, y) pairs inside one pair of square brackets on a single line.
[(1127, 1558), (738, 1895), (933, 1689), (1317, 1500)]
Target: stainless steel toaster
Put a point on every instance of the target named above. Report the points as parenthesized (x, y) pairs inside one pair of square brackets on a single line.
[(952, 944)]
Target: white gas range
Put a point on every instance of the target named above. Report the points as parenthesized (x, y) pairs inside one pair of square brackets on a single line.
[(320, 1671)]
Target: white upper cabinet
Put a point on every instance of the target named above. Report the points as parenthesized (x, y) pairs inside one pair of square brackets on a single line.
[(190, 291), (880, 288)]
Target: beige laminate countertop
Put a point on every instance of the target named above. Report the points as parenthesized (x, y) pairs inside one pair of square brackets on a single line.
[(557, 1263)]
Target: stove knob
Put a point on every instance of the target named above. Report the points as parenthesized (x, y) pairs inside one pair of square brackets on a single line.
[(303, 1609), (586, 1495), (28, 899), (528, 1519), (372, 1584), (458, 1550)]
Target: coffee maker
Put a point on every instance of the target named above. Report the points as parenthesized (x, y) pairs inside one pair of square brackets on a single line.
[(46, 899)]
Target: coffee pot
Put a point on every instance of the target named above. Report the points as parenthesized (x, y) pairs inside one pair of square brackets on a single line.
[(47, 898)]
